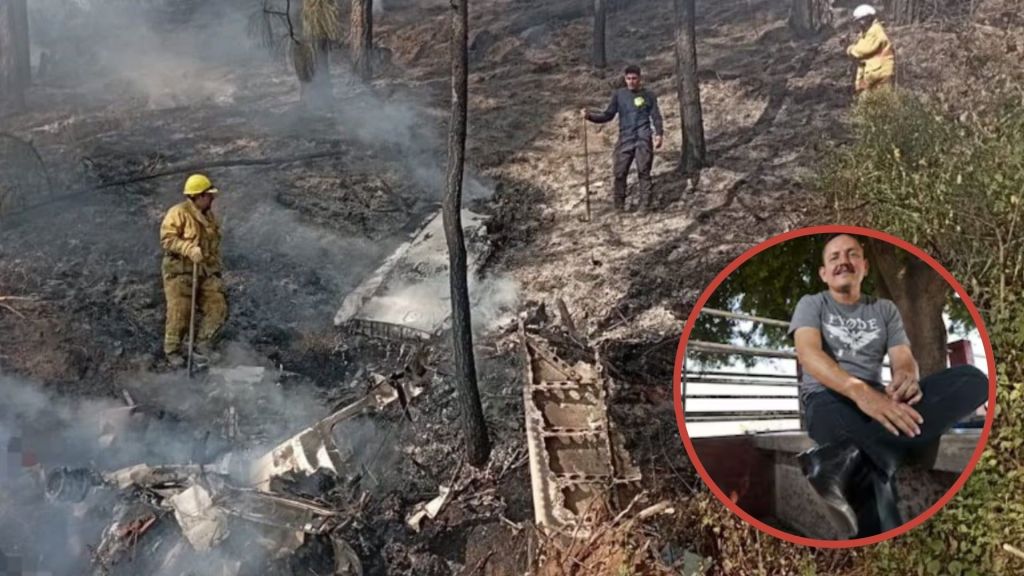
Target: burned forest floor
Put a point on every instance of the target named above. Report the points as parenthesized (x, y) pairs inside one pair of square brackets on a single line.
[(314, 200)]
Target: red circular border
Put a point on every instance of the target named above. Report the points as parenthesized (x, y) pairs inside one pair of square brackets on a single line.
[(681, 354)]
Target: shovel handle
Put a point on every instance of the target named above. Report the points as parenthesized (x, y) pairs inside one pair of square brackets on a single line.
[(192, 316), (586, 169)]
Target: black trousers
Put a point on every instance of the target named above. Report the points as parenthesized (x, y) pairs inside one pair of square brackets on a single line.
[(949, 396), (641, 150)]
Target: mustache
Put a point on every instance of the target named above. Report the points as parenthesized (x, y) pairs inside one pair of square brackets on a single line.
[(842, 268)]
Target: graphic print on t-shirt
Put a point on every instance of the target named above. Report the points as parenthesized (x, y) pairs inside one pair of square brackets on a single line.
[(852, 333)]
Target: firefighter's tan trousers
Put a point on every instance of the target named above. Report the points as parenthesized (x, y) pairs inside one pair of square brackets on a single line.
[(210, 303)]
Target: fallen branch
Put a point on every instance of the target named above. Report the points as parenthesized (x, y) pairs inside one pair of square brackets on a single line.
[(663, 507), (11, 308), (609, 525), (515, 526), (482, 562), (182, 169), (202, 166)]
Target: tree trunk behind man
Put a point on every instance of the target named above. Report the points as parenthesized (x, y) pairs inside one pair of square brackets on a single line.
[(478, 446), (15, 58), (921, 294), (689, 89), (599, 57), (361, 38)]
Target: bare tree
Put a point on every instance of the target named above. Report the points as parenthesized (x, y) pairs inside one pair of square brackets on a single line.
[(906, 11), (478, 444), (361, 38), (809, 17), (599, 56), (15, 58), (688, 87)]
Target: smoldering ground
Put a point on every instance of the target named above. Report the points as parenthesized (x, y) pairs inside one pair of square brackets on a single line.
[(134, 87), (226, 424)]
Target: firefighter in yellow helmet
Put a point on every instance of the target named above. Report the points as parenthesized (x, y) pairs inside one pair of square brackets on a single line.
[(876, 58), (190, 234)]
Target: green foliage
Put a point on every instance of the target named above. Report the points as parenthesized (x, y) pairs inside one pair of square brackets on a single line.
[(966, 536), (769, 285), (953, 187)]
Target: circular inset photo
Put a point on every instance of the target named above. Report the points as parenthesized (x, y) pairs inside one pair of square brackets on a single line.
[(834, 386)]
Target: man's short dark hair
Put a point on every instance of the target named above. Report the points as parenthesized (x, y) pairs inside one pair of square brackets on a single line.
[(632, 69), (832, 237)]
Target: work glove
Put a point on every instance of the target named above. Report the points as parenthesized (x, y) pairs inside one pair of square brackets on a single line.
[(194, 254)]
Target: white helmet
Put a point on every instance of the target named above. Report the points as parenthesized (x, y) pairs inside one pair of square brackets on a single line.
[(863, 11)]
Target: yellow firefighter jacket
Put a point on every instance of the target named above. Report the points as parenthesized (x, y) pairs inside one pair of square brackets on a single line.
[(876, 56), (185, 226)]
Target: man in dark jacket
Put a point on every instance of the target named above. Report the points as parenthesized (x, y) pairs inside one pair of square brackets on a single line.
[(639, 119)]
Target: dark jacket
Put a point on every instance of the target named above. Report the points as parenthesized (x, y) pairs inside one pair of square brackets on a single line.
[(638, 112)]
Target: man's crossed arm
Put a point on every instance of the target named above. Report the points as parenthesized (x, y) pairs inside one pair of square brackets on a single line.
[(905, 375), (892, 409)]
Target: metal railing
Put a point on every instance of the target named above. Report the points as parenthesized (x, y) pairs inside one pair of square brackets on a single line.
[(730, 402)]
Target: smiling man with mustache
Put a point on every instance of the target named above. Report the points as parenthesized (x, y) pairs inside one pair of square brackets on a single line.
[(864, 430)]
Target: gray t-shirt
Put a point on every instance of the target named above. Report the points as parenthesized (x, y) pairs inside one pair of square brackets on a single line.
[(857, 336)]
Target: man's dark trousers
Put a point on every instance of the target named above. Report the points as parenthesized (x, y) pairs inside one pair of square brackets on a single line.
[(949, 396), (642, 150)]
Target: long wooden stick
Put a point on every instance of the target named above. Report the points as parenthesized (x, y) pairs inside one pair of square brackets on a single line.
[(192, 316), (586, 169)]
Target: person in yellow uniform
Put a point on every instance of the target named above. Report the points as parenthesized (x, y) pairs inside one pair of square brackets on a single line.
[(190, 234), (876, 58)]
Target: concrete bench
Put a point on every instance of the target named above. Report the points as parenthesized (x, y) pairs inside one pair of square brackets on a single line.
[(919, 485), (760, 473)]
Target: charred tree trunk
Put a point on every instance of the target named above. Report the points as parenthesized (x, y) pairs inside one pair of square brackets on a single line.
[(22, 52), (320, 86), (920, 293), (478, 445), (311, 50), (809, 17), (312, 67), (689, 89), (599, 56), (15, 59), (361, 38), (906, 11)]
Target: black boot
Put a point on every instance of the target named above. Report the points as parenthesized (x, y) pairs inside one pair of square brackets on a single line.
[(887, 501), (650, 201), (831, 469)]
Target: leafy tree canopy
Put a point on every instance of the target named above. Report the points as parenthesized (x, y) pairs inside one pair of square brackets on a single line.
[(769, 285)]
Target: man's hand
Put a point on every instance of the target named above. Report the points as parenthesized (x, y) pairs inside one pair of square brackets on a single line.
[(905, 388), (895, 416), (657, 141), (195, 254)]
